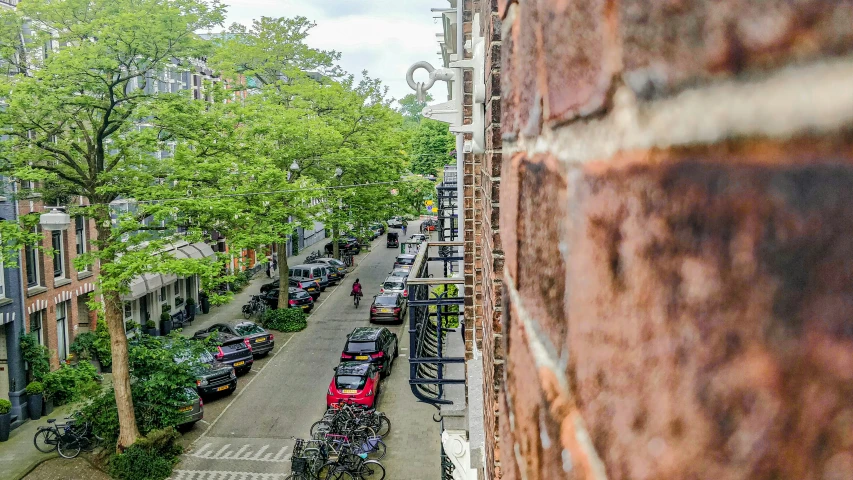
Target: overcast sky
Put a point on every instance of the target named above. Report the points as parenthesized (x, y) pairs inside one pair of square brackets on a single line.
[(383, 37)]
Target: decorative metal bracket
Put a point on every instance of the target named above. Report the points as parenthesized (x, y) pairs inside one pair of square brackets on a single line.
[(458, 451), (450, 112)]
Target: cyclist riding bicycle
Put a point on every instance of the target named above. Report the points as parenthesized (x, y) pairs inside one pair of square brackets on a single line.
[(356, 289)]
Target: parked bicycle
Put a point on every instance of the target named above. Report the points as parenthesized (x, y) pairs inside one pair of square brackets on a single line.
[(255, 307), (307, 459), (350, 465), (68, 439), (313, 256), (347, 259)]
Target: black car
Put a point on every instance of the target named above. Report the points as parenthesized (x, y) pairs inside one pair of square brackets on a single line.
[(262, 341), (376, 345), (212, 376), (232, 350), (388, 307), (346, 245), (297, 298), (392, 240), (310, 286)]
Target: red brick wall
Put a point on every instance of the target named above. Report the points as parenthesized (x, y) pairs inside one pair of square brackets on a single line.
[(675, 217)]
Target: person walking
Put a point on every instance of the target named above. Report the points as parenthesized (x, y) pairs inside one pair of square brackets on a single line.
[(269, 269), (274, 265), (404, 229)]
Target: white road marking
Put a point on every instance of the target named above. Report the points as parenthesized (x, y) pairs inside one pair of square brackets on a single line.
[(243, 453), (402, 354)]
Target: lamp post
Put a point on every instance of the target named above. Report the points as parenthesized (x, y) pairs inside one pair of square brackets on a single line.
[(294, 167), (55, 219)]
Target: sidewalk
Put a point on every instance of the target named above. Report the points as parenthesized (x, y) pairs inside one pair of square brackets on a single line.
[(18, 455)]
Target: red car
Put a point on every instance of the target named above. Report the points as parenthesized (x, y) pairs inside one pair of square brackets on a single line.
[(354, 382)]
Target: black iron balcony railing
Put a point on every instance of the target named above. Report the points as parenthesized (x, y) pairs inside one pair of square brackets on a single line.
[(435, 313)]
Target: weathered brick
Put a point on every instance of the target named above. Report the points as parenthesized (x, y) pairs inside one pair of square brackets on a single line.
[(509, 90), (579, 55), (509, 210), (672, 44)]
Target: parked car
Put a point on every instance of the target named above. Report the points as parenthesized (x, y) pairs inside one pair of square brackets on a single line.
[(392, 240), (388, 307), (429, 225), (332, 273), (311, 272), (232, 350), (400, 273), (211, 376), (395, 285), (296, 298), (378, 227), (346, 245), (418, 237), (354, 382), (334, 262), (262, 341), (395, 222), (404, 261), (190, 406), (375, 345)]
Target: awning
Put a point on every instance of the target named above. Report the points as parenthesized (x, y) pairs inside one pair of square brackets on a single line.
[(151, 282)]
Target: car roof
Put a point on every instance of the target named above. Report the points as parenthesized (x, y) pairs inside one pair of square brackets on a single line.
[(307, 265), (365, 333), (394, 279), (406, 255), (352, 368), (389, 294)]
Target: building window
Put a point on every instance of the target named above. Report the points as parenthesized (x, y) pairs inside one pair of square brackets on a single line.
[(128, 311), (35, 325), (58, 254), (2, 280), (32, 259), (80, 236), (62, 330)]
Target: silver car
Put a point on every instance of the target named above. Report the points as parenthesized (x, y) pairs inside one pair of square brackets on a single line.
[(400, 273), (395, 285), (334, 263)]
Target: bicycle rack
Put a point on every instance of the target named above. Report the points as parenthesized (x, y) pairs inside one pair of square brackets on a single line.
[(427, 329)]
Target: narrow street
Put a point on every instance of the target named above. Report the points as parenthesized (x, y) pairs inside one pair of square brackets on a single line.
[(249, 434)]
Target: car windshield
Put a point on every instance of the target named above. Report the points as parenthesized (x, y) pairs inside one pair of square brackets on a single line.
[(386, 300), (337, 262), (249, 329), (353, 382), (299, 294), (400, 273), (204, 357), (393, 286), (405, 260), (356, 347)]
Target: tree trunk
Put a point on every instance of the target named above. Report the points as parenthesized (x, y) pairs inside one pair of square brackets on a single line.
[(113, 315), (336, 247), (283, 276)]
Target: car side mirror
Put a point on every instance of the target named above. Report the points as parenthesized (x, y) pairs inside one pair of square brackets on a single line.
[(335, 369)]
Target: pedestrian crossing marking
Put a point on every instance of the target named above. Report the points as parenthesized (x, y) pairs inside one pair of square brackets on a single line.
[(224, 475), (243, 453)]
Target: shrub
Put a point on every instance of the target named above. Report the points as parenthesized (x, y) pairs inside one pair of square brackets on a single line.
[(71, 383), (35, 388), (36, 355), (5, 406), (150, 458), (103, 348), (190, 301), (83, 345), (150, 324), (284, 319)]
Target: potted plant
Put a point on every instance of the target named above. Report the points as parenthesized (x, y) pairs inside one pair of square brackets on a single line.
[(48, 404), (166, 322), (190, 307), (205, 302), (35, 399), (5, 419), (151, 328)]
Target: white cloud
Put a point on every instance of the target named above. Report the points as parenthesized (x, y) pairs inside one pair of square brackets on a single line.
[(383, 37)]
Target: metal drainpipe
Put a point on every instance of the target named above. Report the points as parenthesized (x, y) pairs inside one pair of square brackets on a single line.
[(460, 139)]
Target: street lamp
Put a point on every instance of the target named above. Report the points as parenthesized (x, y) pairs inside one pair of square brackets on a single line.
[(55, 219), (338, 172), (294, 166)]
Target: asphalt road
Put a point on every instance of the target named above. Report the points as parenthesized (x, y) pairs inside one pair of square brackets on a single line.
[(247, 436)]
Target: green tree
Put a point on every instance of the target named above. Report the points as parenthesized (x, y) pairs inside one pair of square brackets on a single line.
[(411, 108), (431, 147), (74, 112)]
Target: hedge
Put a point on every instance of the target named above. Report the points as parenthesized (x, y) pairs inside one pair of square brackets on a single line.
[(284, 319)]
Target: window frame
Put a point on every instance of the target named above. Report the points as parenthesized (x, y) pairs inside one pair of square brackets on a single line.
[(59, 254), (81, 239), (31, 257)]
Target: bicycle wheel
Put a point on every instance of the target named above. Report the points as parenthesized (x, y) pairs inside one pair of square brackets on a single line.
[(247, 312), (68, 446), (320, 428), (382, 426), (45, 440), (371, 470), (298, 476)]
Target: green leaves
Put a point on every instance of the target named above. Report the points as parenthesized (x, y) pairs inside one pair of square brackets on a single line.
[(431, 147)]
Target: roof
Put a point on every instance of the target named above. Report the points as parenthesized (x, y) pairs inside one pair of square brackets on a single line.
[(352, 368), (406, 255), (365, 333)]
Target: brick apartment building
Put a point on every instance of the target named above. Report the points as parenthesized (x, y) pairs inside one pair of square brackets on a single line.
[(56, 293), (657, 239)]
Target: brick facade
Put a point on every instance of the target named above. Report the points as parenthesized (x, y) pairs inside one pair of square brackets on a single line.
[(484, 254), (675, 220), (70, 290)]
